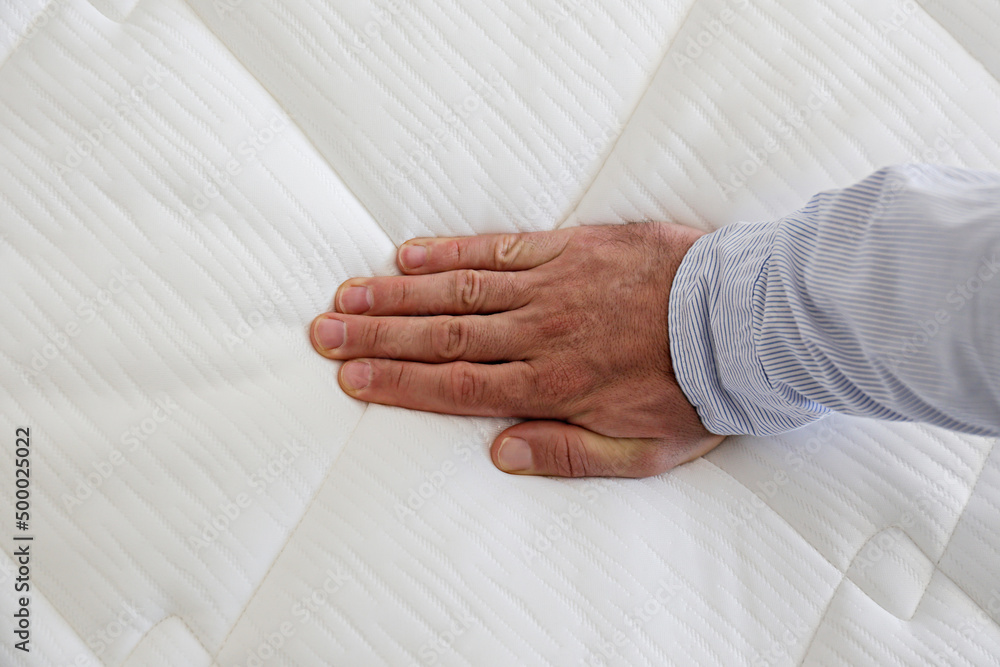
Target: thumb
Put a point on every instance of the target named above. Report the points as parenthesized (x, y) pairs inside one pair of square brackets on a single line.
[(564, 450)]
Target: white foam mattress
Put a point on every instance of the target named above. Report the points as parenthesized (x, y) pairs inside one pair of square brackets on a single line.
[(184, 184)]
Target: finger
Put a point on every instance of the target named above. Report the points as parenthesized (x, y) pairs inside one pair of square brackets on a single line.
[(429, 339), (492, 252), (564, 450), (458, 388), (451, 293)]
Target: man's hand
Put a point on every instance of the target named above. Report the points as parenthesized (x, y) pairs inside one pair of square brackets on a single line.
[(569, 327)]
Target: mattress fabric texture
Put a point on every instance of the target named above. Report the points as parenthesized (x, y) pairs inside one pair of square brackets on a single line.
[(184, 185)]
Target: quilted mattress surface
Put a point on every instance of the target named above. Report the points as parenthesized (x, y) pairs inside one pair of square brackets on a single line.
[(183, 185)]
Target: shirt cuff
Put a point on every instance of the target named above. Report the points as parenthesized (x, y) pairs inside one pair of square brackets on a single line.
[(716, 307)]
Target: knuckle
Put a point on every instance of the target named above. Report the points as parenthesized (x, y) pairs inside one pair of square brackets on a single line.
[(507, 249), (377, 336), (569, 456), (558, 325), (469, 288), (396, 378), (458, 252), (404, 292), (467, 387), (450, 338)]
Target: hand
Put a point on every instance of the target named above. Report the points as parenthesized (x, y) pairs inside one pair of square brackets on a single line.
[(568, 326)]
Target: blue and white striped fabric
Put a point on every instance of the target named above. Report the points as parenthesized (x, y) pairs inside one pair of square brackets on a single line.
[(881, 300)]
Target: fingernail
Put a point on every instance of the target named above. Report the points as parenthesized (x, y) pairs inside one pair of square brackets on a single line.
[(412, 256), (357, 375), (514, 455), (330, 333), (356, 300)]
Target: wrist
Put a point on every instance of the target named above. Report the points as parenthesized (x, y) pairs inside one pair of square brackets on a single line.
[(715, 317)]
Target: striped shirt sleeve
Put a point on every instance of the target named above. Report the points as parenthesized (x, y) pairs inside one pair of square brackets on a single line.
[(879, 300)]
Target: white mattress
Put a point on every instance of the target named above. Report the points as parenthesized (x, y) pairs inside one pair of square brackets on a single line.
[(184, 184)]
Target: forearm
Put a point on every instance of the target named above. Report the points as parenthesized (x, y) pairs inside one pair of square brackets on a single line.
[(879, 300)]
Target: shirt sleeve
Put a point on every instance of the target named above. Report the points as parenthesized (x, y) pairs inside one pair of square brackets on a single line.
[(880, 300)]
